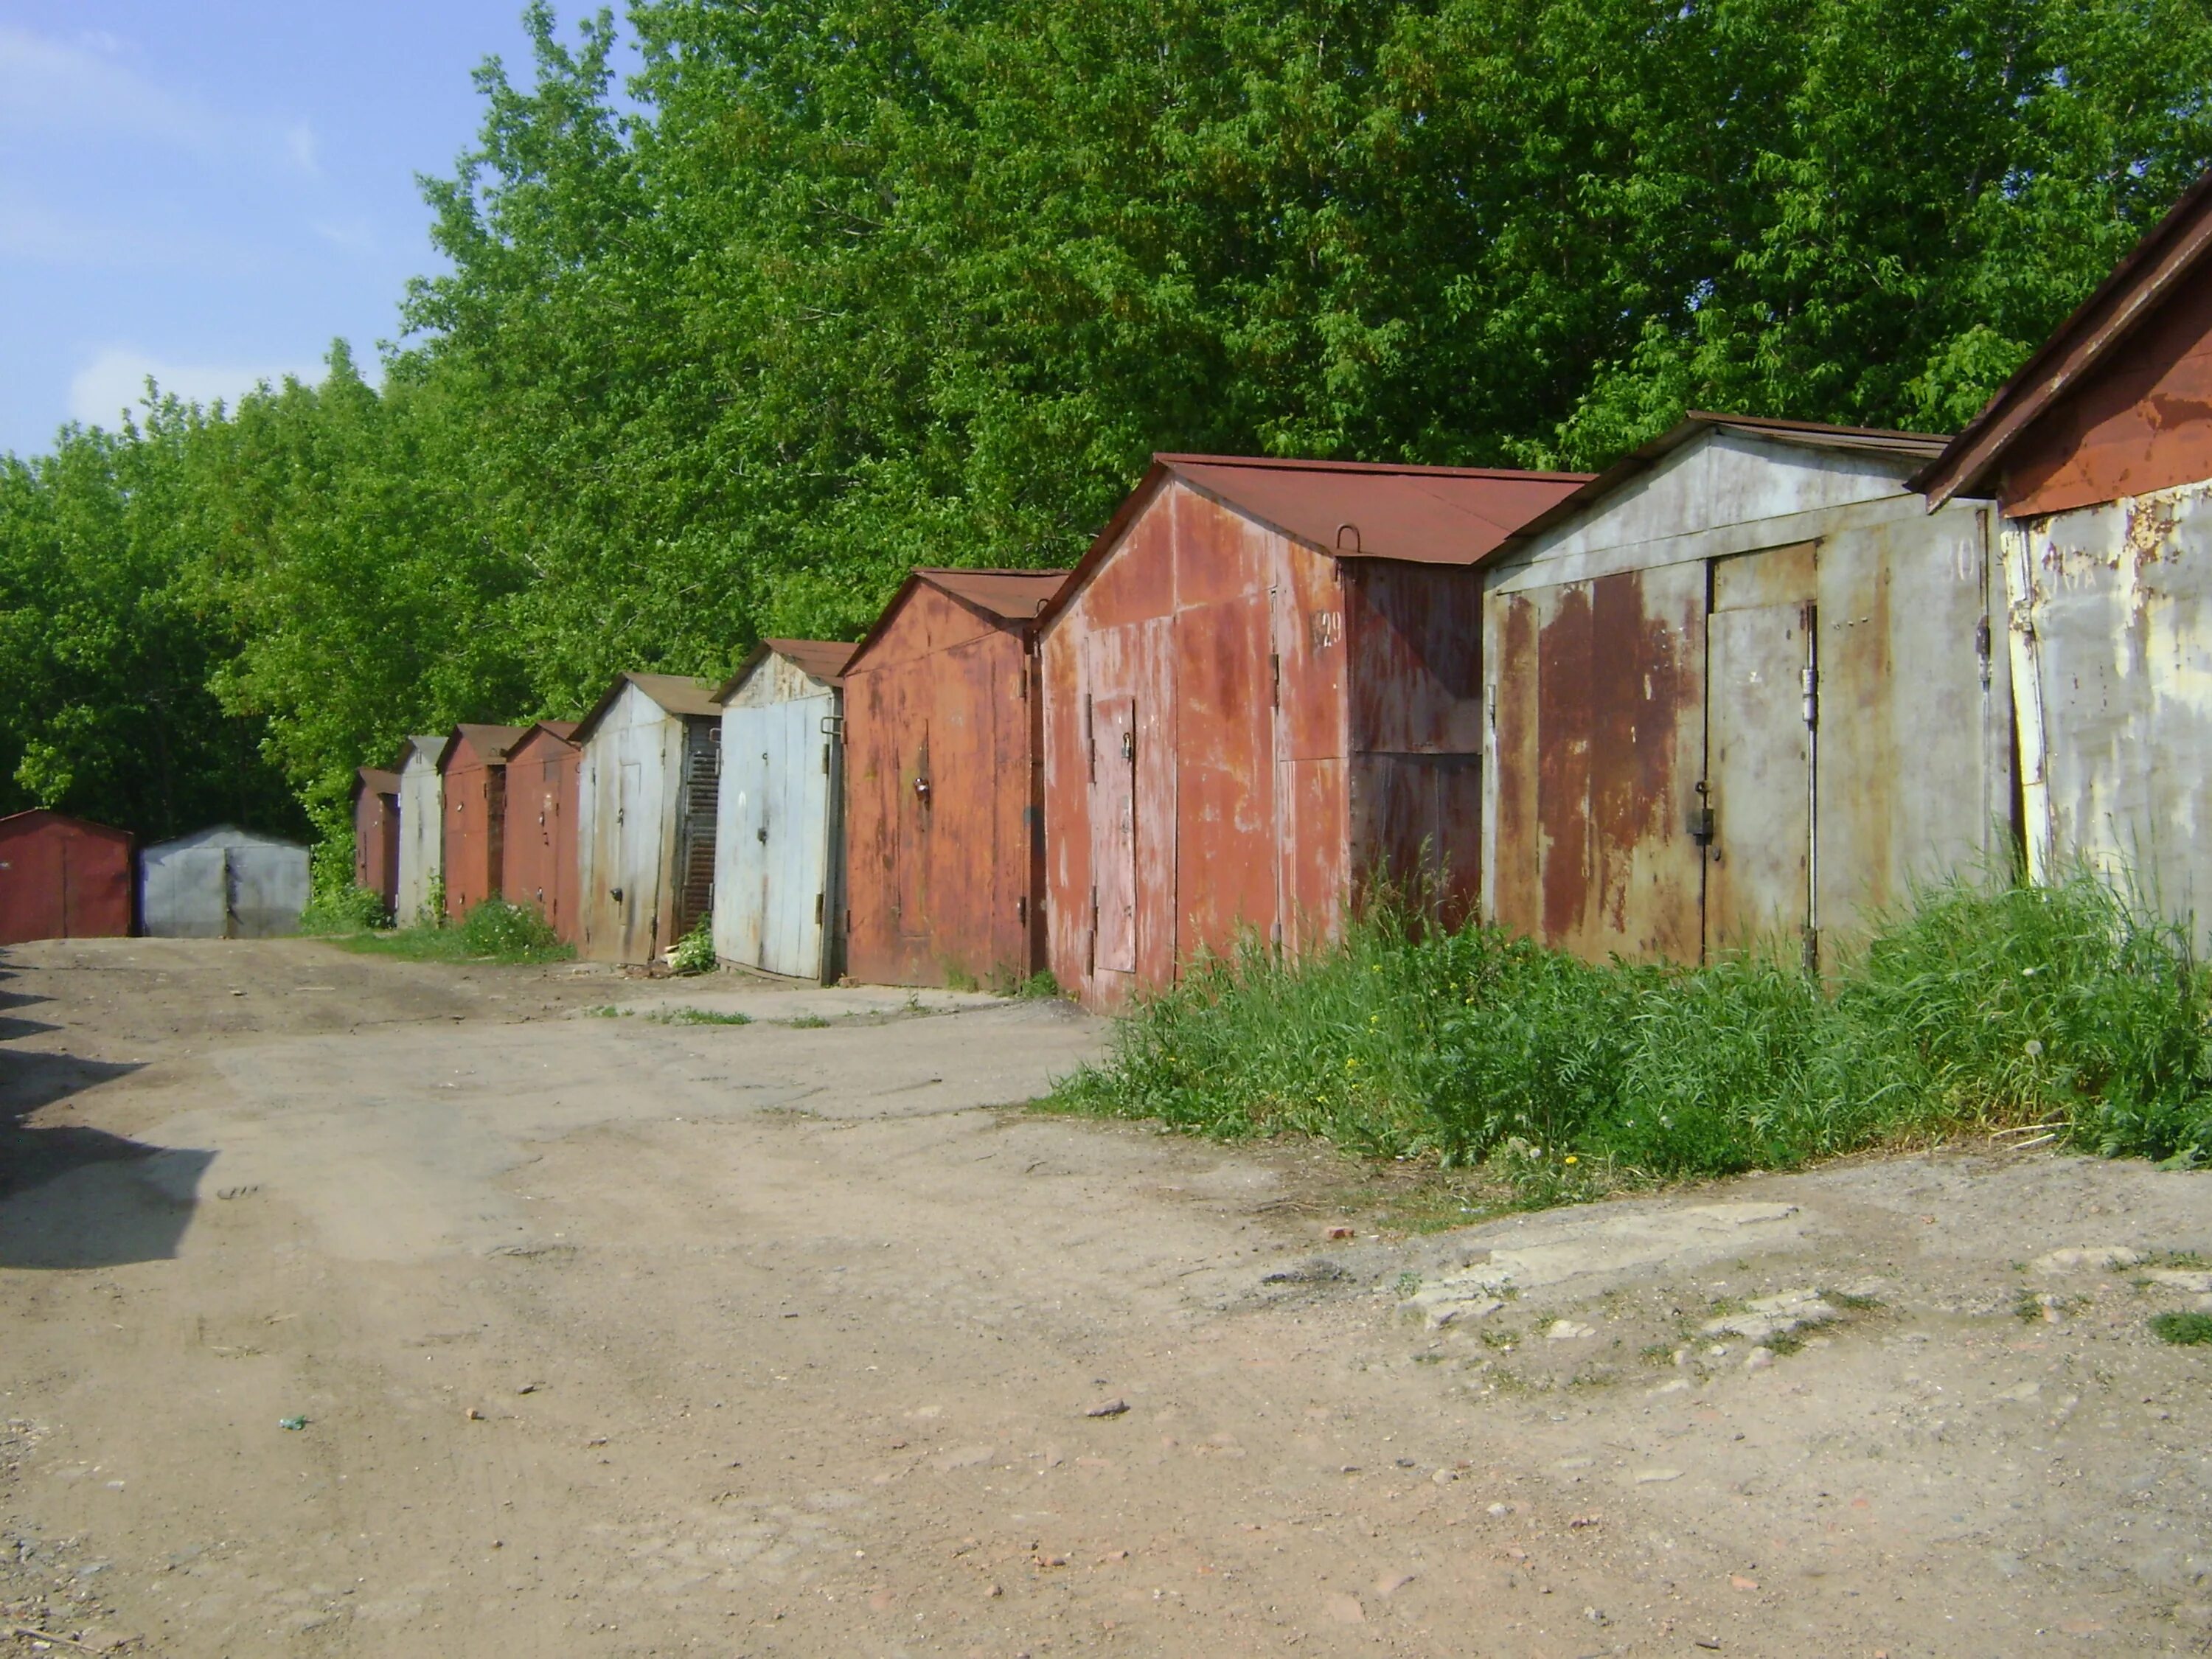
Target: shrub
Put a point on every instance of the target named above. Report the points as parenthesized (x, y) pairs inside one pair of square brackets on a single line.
[(344, 910), (510, 932)]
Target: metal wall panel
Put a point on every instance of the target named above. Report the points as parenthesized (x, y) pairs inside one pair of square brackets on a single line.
[(2111, 658), (1760, 775), (773, 890), (1601, 748), (627, 797), (1916, 712), (422, 836)]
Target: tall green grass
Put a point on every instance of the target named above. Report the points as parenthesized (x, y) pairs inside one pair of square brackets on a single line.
[(1980, 1006)]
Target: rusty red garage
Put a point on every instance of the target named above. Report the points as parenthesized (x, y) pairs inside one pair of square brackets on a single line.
[(472, 773), (537, 860), (945, 831), (1262, 683), (376, 833), (61, 878)]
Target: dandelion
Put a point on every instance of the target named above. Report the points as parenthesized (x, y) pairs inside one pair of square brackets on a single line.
[(1352, 1064), (1572, 1158), (2034, 1047)]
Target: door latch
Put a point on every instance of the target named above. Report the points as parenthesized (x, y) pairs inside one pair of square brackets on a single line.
[(1701, 826), (1128, 745)]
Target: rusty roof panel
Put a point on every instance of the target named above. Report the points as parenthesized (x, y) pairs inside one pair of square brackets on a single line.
[(822, 660), (1016, 595), (679, 694), (1420, 514), (491, 741), (2169, 255), (376, 781)]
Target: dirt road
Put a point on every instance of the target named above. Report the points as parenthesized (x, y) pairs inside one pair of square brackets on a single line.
[(352, 1307)]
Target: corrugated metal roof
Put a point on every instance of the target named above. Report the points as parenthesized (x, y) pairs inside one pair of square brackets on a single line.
[(223, 835), (1808, 434), (564, 730), (679, 694), (1419, 515), (823, 658), (492, 742), (1015, 595), (377, 781), (1019, 597), (14, 821), (2170, 253)]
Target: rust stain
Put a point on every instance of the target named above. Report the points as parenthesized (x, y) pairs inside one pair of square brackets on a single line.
[(1566, 706)]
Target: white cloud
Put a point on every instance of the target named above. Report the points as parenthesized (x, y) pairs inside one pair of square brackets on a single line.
[(355, 235), (300, 141), (55, 86), (115, 381)]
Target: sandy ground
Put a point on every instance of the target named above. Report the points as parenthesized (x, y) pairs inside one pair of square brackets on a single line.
[(352, 1307)]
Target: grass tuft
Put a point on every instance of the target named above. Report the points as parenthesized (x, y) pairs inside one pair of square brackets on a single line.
[(2187, 1330), (1978, 1007)]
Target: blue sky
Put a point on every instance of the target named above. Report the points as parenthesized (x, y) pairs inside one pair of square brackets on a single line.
[(212, 192)]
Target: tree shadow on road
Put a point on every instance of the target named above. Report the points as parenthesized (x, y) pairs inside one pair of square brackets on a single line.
[(70, 1195)]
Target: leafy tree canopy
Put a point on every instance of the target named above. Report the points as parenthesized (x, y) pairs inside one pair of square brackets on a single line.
[(839, 286)]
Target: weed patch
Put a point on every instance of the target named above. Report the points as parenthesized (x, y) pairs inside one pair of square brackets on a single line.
[(695, 952), (1978, 1007), (808, 1023), (2187, 1330), (687, 1016), (495, 930)]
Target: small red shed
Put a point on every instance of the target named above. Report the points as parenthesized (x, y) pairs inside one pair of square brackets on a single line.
[(472, 779), (1262, 683), (538, 859), (61, 878), (945, 826), (376, 833)]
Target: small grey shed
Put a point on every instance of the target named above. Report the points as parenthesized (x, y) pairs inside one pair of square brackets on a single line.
[(647, 758), (780, 827), (222, 882)]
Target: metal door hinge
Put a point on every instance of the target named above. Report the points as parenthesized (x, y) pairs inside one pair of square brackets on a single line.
[(1275, 672), (1811, 680), (817, 909)]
